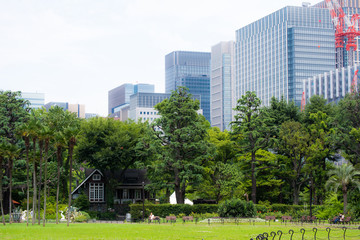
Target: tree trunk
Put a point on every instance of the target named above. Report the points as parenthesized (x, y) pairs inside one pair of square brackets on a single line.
[(27, 147), (35, 193), (41, 146), (295, 192), (10, 188), (253, 178), (34, 181), (1, 191), (71, 147), (45, 178), (345, 198), (179, 193), (58, 155)]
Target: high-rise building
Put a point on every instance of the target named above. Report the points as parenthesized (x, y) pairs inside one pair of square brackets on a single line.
[(36, 100), (222, 94), (119, 98), (142, 105), (79, 109), (349, 7), (192, 70), (333, 85), (274, 54)]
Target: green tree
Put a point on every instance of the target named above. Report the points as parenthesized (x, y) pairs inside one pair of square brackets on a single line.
[(253, 125), (71, 133), (109, 144), (180, 136), (2, 156), (343, 177), (294, 143), (24, 132), (222, 177), (346, 119), (13, 113), (321, 150)]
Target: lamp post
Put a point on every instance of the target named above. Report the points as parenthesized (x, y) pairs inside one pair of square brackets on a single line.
[(143, 198)]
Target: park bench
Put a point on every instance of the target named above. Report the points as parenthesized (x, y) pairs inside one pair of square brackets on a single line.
[(286, 218), (347, 220), (188, 218), (333, 219), (155, 219), (170, 218), (270, 218)]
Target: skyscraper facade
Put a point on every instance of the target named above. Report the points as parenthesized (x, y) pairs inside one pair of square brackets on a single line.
[(36, 100), (333, 85), (192, 70), (222, 84), (142, 105), (274, 54), (119, 97), (78, 109)]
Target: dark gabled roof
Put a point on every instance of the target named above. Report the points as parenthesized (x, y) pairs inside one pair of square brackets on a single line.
[(129, 177), (86, 178)]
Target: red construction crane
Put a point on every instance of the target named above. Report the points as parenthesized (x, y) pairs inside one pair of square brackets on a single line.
[(338, 16), (303, 102), (341, 21), (351, 33), (354, 82)]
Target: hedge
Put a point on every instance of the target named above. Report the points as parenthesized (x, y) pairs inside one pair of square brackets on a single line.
[(163, 210)]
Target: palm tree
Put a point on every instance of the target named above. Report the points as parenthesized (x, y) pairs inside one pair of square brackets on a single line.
[(47, 135), (12, 152), (57, 122), (71, 133), (24, 132), (343, 176), (34, 126), (2, 153)]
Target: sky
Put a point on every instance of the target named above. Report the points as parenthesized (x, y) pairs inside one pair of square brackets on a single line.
[(77, 50)]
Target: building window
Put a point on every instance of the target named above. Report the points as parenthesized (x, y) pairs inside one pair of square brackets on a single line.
[(96, 177), (125, 194), (96, 192), (137, 194)]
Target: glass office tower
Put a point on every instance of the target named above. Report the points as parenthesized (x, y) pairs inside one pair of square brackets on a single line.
[(222, 85), (192, 70), (36, 100), (119, 97), (274, 54)]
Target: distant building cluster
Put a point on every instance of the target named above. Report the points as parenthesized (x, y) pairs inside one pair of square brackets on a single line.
[(289, 53)]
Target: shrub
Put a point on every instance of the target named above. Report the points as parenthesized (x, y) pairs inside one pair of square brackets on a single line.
[(163, 210), (331, 208), (82, 217), (82, 202), (236, 208)]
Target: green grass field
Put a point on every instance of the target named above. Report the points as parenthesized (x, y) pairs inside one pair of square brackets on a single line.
[(165, 231)]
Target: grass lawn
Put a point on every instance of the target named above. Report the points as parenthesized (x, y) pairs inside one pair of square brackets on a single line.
[(165, 231)]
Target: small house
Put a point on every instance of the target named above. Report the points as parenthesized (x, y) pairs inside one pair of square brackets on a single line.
[(129, 188)]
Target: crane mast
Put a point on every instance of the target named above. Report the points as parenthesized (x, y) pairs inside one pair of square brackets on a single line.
[(341, 21)]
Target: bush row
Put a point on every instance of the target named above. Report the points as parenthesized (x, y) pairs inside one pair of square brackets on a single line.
[(163, 210), (233, 207)]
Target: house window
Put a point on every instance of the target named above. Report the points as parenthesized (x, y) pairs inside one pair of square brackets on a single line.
[(137, 194), (125, 194), (96, 192), (96, 177)]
